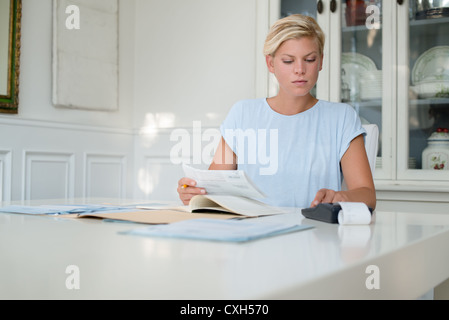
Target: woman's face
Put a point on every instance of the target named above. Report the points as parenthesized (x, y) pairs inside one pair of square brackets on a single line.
[(296, 65)]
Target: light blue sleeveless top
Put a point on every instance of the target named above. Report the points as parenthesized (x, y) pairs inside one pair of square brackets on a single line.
[(291, 157)]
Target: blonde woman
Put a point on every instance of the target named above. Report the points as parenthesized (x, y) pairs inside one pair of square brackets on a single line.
[(315, 142)]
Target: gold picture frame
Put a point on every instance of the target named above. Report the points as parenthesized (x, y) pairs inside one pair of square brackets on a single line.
[(9, 97)]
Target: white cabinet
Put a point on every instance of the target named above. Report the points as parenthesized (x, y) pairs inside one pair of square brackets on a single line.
[(390, 61)]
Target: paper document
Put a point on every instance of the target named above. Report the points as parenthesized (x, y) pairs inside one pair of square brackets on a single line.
[(62, 209), (218, 230), (224, 182)]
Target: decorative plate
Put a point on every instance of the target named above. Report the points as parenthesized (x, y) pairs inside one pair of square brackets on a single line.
[(355, 66), (432, 65), (432, 89)]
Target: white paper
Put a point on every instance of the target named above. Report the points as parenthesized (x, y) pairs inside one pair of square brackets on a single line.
[(354, 213), (224, 182)]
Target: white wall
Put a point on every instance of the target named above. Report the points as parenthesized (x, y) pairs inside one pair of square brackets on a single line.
[(193, 59)]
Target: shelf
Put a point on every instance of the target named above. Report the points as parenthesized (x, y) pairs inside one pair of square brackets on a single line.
[(355, 28), (413, 23), (427, 22), (430, 101), (366, 103)]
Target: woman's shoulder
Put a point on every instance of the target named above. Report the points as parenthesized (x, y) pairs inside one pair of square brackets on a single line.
[(338, 106), (249, 106), (336, 109)]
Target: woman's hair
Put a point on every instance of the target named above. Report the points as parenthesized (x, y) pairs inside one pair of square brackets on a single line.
[(295, 26)]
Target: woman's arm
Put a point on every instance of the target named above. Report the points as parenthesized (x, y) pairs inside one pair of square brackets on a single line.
[(224, 158), (358, 177)]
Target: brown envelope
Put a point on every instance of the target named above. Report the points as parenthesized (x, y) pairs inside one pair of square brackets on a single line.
[(159, 216)]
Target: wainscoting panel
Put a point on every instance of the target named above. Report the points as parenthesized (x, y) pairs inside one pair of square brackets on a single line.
[(105, 176), (5, 175), (47, 160), (48, 175)]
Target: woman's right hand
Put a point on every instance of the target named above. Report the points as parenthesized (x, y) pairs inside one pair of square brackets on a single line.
[(187, 189)]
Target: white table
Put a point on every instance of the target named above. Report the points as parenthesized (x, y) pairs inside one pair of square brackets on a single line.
[(409, 250)]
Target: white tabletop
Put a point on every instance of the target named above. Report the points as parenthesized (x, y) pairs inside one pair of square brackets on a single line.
[(409, 250)]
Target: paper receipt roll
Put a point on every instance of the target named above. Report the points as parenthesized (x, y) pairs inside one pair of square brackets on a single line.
[(354, 213)]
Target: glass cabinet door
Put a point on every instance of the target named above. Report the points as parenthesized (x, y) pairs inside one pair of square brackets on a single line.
[(425, 115), (390, 61), (361, 61)]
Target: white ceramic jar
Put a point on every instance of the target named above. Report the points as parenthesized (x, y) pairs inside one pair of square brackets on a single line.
[(436, 155)]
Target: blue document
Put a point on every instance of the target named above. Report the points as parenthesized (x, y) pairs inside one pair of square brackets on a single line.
[(218, 230), (61, 209)]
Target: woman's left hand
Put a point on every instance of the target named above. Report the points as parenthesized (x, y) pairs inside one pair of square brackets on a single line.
[(328, 196)]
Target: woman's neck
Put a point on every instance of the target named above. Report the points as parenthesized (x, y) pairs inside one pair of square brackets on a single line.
[(288, 105)]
